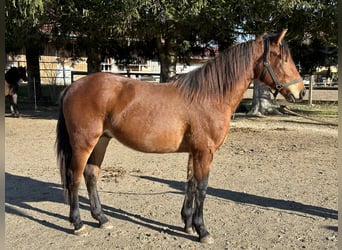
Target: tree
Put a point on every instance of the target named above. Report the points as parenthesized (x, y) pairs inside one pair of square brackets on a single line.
[(170, 30), (116, 27), (93, 25), (23, 31), (170, 24), (262, 105)]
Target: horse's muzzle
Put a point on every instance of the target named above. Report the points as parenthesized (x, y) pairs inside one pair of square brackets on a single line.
[(292, 99)]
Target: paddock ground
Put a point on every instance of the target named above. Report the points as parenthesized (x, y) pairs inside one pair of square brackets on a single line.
[(273, 186)]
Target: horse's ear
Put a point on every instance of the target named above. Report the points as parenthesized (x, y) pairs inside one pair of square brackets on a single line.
[(281, 36)]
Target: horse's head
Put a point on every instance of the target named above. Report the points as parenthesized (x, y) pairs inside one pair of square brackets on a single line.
[(277, 69), (23, 73)]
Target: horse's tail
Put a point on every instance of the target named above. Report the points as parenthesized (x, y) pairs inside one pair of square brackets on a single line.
[(63, 148)]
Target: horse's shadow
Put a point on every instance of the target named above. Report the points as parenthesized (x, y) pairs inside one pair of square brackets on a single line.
[(43, 112), (20, 191), (260, 201)]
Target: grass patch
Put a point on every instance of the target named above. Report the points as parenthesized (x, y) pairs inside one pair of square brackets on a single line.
[(318, 109), (326, 109)]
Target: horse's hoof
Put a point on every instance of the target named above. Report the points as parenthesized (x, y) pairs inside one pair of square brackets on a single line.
[(106, 225), (190, 230), (207, 239), (81, 231)]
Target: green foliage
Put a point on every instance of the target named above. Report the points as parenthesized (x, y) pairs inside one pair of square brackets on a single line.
[(303, 18), (22, 22), (23, 12), (145, 27)]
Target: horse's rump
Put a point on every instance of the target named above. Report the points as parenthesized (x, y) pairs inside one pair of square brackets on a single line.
[(7, 88), (11, 89)]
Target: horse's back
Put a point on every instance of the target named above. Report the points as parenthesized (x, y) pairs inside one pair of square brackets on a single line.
[(107, 92)]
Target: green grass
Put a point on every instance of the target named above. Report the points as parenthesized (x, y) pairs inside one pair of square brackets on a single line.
[(318, 109), (328, 110)]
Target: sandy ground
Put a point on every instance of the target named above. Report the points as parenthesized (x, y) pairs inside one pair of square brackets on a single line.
[(273, 186)]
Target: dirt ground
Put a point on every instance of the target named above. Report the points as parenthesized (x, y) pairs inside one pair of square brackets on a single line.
[(273, 186)]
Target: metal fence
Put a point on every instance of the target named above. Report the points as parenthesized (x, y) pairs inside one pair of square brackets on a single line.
[(53, 72)]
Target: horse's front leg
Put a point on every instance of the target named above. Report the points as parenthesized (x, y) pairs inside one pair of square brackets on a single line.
[(202, 163), (91, 175)]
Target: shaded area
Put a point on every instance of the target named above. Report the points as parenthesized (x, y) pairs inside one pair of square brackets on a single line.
[(256, 200), (22, 190), (42, 112), (332, 228)]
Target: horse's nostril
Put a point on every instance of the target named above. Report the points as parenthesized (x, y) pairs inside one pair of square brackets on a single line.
[(302, 94), (290, 98)]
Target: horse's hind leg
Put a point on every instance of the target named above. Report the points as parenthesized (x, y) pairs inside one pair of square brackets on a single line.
[(13, 99), (91, 175), (10, 100), (74, 176), (188, 204)]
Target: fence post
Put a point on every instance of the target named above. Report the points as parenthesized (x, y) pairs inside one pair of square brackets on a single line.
[(312, 80), (63, 67), (34, 94)]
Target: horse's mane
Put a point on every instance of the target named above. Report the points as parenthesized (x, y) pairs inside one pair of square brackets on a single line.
[(217, 76)]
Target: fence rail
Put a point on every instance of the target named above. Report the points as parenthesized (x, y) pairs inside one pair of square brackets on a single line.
[(55, 73), (319, 93), (148, 76)]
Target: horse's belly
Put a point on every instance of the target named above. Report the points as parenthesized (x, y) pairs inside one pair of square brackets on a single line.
[(153, 139)]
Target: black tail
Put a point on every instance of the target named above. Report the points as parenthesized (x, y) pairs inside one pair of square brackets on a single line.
[(63, 148)]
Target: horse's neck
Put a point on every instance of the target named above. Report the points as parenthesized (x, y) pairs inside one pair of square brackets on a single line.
[(234, 98)]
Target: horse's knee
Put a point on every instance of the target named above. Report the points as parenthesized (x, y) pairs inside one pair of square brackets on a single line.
[(91, 174)]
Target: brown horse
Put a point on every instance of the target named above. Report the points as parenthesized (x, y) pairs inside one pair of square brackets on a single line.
[(190, 114)]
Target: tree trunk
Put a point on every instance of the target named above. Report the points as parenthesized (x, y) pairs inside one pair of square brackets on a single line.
[(94, 61), (33, 69), (168, 58), (262, 103)]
